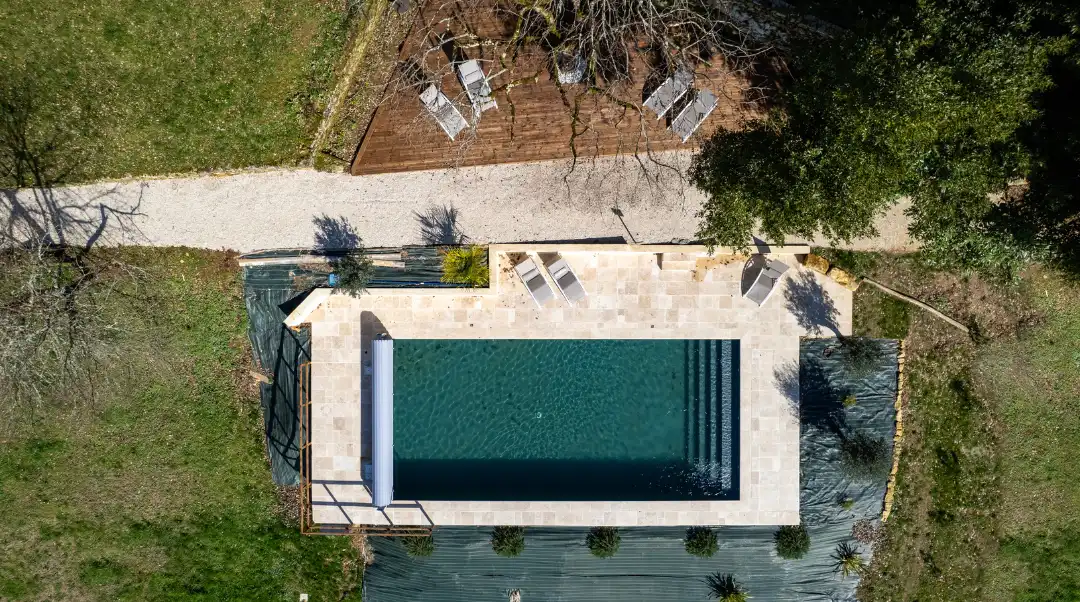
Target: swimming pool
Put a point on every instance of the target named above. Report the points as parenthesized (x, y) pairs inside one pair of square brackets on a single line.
[(601, 420)]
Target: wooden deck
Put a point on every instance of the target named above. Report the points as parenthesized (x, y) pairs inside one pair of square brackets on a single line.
[(534, 120)]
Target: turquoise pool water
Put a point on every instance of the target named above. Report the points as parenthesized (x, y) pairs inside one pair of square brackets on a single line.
[(621, 420)]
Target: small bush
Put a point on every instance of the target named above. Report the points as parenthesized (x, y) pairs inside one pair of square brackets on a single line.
[(847, 559), (603, 542), (701, 541), (859, 263), (466, 265), (861, 356), (353, 272), (419, 546), (723, 587), (847, 503), (508, 541), (850, 401), (865, 458), (792, 541)]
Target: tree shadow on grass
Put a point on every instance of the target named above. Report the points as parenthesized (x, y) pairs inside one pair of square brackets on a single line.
[(811, 304)]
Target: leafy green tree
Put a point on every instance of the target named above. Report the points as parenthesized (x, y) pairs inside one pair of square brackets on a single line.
[(927, 102)]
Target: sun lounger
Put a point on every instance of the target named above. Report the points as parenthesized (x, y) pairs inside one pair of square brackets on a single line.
[(534, 281), (669, 92), (476, 85), (765, 283), (689, 119), (444, 111), (566, 280)]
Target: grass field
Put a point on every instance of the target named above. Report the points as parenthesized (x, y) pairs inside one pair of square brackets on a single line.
[(161, 490), (137, 87), (988, 493)]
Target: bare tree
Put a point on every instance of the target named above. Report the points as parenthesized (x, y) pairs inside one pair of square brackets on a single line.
[(53, 332)]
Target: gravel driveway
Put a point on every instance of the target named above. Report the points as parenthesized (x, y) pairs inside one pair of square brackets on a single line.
[(494, 203)]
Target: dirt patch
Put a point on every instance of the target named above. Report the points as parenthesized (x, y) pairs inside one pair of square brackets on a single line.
[(359, 542), (990, 309), (288, 504)]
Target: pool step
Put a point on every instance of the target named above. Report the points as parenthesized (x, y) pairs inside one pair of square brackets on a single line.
[(710, 416)]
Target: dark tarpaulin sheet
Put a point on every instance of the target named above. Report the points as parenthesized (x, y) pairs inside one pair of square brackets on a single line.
[(271, 292), (652, 563)]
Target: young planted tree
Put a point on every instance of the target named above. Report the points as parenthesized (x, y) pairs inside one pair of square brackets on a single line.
[(792, 541), (508, 541), (353, 271), (861, 355), (865, 458), (603, 542), (701, 542)]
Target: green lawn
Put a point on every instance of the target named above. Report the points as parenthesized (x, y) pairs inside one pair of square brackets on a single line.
[(160, 489), (988, 493), (140, 87)]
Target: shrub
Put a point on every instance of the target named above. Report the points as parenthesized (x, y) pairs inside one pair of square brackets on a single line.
[(850, 401), (466, 265), (419, 546), (353, 273), (847, 559), (861, 355), (723, 587), (864, 458), (701, 541), (792, 541), (847, 503), (603, 542), (508, 541)]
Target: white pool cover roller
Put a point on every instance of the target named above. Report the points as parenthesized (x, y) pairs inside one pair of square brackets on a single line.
[(382, 414)]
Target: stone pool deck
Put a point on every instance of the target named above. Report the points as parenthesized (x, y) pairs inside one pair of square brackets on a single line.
[(634, 292)]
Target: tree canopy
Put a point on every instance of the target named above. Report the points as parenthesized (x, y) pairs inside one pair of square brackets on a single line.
[(932, 100)]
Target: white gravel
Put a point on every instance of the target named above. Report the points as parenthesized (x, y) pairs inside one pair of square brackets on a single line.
[(495, 203)]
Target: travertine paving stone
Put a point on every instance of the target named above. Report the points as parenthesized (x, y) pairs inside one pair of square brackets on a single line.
[(631, 295)]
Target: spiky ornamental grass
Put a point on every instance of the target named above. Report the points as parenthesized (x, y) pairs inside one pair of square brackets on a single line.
[(419, 546), (723, 587), (466, 265), (847, 560)]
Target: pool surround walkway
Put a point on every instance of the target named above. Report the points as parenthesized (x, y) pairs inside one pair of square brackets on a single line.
[(634, 292)]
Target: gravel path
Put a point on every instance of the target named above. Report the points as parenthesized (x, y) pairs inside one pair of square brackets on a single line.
[(495, 203)]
